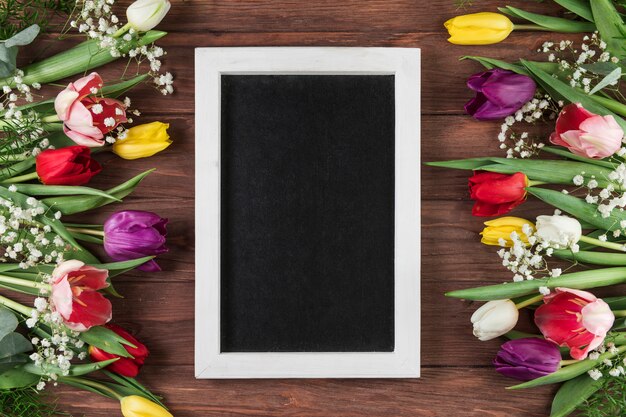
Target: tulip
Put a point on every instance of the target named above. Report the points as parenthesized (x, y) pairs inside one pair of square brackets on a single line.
[(136, 406), (499, 93), (478, 28), (75, 295), (72, 165), (498, 231), (494, 319), (133, 234), (144, 15), (497, 194), (143, 141), (576, 319), (123, 366), (587, 134), (87, 118), (559, 232), (528, 358)]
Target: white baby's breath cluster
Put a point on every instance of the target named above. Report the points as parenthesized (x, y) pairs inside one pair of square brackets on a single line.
[(24, 135), (10, 96), (583, 66), (516, 139), (524, 261), (24, 240), (54, 351), (608, 198), (97, 20), (615, 367)]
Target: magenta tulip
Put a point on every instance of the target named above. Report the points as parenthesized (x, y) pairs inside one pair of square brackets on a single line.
[(499, 93), (133, 234), (587, 134), (527, 358)]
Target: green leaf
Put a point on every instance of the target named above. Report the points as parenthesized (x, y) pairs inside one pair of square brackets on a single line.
[(79, 204), (13, 344), (107, 340), (594, 258), (75, 370), (611, 26), (559, 90), (600, 68), (491, 63), (40, 189), (612, 77), (567, 154), (573, 393), (17, 378), (616, 303), (124, 265), (471, 164), (579, 7), (12, 361), (555, 24), (579, 208), (133, 386), (576, 280), (17, 168), (8, 322)]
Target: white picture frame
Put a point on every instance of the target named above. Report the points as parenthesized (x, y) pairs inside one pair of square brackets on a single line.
[(404, 64)]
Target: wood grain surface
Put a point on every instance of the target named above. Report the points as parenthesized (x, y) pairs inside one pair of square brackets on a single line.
[(458, 380)]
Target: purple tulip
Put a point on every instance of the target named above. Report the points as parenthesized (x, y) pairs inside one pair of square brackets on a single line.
[(527, 359), (499, 93), (133, 234)]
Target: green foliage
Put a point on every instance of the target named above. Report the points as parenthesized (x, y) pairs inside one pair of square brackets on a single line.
[(17, 15), (28, 402), (573, 393), (608, 401)]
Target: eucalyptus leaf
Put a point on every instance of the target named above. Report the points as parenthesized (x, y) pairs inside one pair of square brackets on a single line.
[(17, 378), (573, 393), (8, 322), (9, 49), (612, 77), (13, 344), (12, 361), (23, 38)]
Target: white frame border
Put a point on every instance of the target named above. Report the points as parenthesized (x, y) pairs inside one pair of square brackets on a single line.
[(404, 63)]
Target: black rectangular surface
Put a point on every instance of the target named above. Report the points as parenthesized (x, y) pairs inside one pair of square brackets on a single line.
[(307, 213)]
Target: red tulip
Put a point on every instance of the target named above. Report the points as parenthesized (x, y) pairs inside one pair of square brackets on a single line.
[(123, 366), (76, 298), (72, 165), (576, 319), (497, 194)]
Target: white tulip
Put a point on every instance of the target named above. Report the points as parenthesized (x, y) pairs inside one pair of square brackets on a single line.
[(144, 15), (494, 319), (559, 232)]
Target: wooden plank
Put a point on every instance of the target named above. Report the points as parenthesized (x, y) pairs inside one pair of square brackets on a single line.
[(441, 392)]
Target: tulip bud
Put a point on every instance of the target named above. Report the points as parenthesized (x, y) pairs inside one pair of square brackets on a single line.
[(498, 231), (143, 141), (144, 15), (558, 232), (129, 366), (494, 319), (478, 28), (136, 406), (71, 165), (495, 193), (528, 358)]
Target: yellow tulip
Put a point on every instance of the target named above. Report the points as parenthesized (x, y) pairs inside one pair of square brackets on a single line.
[(502, 228), (136, 406), (143, 141), (478, 28)]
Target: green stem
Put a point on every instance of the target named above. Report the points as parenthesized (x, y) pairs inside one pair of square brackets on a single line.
[(619, 313), (21, 178), (531, 27), (51, 119), (86, 231), (530, 301), (609, 245), (27, 311), (25, 283), (122, 30), (93, 384), (569, 362), (535, 183)]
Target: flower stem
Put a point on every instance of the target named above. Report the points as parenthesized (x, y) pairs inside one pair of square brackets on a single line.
[(122, 30), (531, 27), (569, 362), (535, 183), (27, 311), (51, 119), (25, 283), (530, 301), (93, 384), (21, 178), (609, 245), (619, 313), (86, 231)]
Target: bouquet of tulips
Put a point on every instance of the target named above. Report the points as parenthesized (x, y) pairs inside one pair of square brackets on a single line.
[(559, 258), (48, 147)]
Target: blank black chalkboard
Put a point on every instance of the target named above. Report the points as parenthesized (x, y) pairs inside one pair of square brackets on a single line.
[(307, 213)]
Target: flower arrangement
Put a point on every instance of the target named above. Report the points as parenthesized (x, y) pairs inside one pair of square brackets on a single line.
[(48, 156), (556, 260)]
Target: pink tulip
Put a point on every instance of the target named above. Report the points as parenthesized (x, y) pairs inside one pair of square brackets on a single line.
[(76, 298), (87, 118), (576, 319), (587, 134)]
